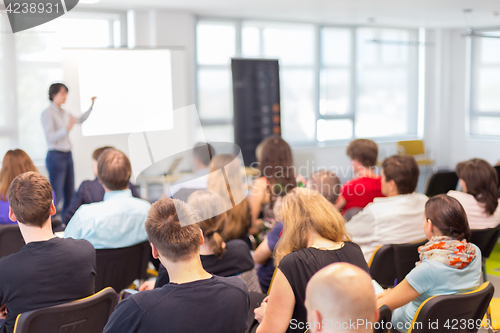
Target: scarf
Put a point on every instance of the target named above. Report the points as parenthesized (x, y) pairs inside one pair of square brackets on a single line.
[(449, 251)]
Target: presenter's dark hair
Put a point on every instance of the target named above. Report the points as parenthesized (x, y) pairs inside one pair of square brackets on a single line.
[(114, 169), (30, 198), (55, 88), (447, 214)]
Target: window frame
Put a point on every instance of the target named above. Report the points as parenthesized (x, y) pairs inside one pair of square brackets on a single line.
[(414, 77), (11, 63), (473, 85)]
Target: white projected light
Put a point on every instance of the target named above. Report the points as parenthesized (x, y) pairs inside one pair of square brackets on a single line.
[(133, 89)]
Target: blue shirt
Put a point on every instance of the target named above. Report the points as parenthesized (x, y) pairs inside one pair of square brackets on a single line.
[(117, 221), (432, 278)]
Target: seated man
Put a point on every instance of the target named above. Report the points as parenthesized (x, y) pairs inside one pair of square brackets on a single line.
[(337, 296), (118, 221), (325, 182), (194, 300), (190, 183), (91, 190), (48, 270), (398, 217)]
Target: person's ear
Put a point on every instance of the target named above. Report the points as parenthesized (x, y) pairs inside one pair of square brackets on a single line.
[(202, 239), (53, 209), (154, 251), (317, 318), (393, 186), (376, 317), (12, 216)]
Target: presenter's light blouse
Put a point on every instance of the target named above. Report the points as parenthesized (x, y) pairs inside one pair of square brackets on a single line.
[(117, 221), (55, 123)]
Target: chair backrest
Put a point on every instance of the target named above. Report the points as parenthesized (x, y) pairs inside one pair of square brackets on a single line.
[(384, 318), (449, 313), (391, 263), (485, 239), (351, 212), (411, 147), (441, 182), (118, 268), (11, 240), (89, 314)]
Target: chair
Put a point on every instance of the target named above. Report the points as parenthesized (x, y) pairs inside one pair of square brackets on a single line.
[(415, 148), (87, 315), (391, 263), (118, 268), (11, 240), (485, 239), (385, 316), (441, 182), (351, 212), (447, 313)]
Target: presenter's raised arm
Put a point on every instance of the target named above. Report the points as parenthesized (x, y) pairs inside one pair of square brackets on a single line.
[(87, 113)]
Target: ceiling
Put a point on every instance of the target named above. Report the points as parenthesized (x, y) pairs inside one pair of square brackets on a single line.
[(427, 13)]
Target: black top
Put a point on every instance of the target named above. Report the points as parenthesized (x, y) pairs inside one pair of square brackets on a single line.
[(237, 259), (299, 266), (90, 191), (215, 305), (46, 273)]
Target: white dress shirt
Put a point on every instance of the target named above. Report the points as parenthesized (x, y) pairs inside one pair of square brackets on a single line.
[(55, 123), (390, 220), (478, 219)]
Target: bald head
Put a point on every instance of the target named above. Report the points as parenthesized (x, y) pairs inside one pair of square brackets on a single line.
[(340, 293)]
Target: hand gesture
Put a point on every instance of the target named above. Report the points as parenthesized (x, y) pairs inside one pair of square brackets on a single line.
[(93, 100), (147, 285), (259, 312), (3, 312), (72, 122)]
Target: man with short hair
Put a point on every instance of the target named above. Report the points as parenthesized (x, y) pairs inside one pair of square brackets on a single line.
[(194, 300), (48, 270), (118, 220), (190, 183), (397, 218), (91, 191), (340, 298)]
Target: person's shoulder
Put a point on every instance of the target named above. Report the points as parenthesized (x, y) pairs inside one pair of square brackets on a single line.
[(140, 202), (80, 246), (232, 282), (237, 244)]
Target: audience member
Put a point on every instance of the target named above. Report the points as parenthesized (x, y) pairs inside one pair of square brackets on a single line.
[(479, 181), (48, 270), (277, 179), (194, 300), (263, 256), (313, 237), (15, 162), (365, 186), (217, 257), (448, 264), (91, 191), (337, 296), (117, 221), (397, 218), (238, 217), (327, 183), (202, 155)]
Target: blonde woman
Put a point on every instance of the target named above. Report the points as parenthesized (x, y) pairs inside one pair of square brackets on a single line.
[(238, 218), (313, 237)]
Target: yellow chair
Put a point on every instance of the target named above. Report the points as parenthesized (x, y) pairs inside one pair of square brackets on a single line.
[(415, 148)]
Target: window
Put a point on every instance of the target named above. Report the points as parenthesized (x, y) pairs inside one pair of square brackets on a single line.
[(485, 85), (358, 82), (34, 58)]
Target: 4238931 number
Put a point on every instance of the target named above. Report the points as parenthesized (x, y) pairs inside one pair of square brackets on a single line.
[(32, 8)]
